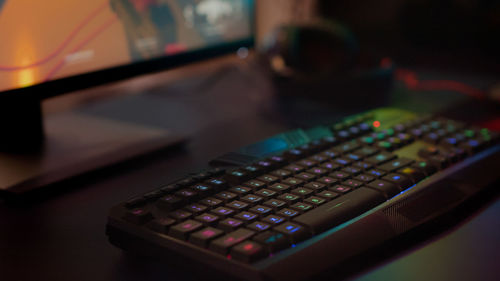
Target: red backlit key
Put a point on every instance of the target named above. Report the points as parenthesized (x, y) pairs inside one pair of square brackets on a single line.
[(248, 251), (181, 230), (221, 245), (202, 237)]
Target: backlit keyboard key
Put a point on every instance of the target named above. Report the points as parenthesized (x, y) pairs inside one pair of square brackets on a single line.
[(221, 245), (229, 224), (248, 252), (296, 233), (203, 237), (386, 188), (273, 241), (181, 231)]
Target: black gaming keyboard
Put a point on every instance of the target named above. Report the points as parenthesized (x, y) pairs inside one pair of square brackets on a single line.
[(301, 202)]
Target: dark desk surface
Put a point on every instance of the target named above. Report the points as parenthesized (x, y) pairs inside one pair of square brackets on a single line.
[(62, 237)]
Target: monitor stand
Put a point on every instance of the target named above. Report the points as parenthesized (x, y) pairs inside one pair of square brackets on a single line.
[(36, 152)]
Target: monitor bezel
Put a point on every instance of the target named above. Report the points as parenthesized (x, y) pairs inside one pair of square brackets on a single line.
[(91, 79)]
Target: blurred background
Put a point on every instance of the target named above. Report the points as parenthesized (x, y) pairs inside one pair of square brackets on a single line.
[(449, 34)]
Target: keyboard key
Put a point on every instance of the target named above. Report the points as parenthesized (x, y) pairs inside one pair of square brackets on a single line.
[(380, 158), (395, 164), (340, 175), (402, 181), (221, 245), (363, 165), (240, 190), (301, 207), (428, 151), (328, 195), (315, 186), (203, 189), (307, 163), (226, 196), (268, 179), (281, 173), (195, 208), (266, 165), (352, 183), (180, 215), (238, 205), (365, 178), (302, 192), (330, 166), (342, 161), (328, 181), (376, 173), (246, 217), (280, 187), (425, 167), (320, 158), (413, 173), (296, 233), (211, 202), (266, 193), (273, 241), (223, 212), (135, 202), (237, 176), (340, 210), (294, 154), (229, 224), (273, 219), (318, 172), (255, 184), (386, 188), (352, 170), (306, 177), (261, 210), (275, 204), (252, 199), (315, 201), (346, 147), (258, 226), (294, 168), (207, 219), (287, 213), (293, 182), (366, 151), (181, 230), (161, 224), (289, 198), (203, 237), (278, 160), (248, 252), (217, 183), (340, 189), (187, 194), (170, 202)]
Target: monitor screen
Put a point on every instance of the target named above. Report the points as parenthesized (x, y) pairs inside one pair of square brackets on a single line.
[(42, 41)]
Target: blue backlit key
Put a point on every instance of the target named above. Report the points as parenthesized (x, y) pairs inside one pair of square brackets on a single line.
[(258, 226), (273, 241), (296, 233)]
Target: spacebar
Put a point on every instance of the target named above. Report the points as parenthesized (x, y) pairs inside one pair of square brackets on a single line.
[(341, 209)]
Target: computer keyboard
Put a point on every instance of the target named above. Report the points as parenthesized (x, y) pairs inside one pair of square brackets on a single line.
[(301, 202)]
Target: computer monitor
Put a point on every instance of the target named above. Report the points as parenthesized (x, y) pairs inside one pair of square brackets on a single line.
[(55, 46)]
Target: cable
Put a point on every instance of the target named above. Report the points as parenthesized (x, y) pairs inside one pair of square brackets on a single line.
[(412, 82)]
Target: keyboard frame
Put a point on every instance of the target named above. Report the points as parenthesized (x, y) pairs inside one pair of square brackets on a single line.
[(384, 222)]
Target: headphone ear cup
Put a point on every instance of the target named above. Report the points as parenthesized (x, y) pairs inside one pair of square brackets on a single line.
[(322, 61), (312, 51)]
